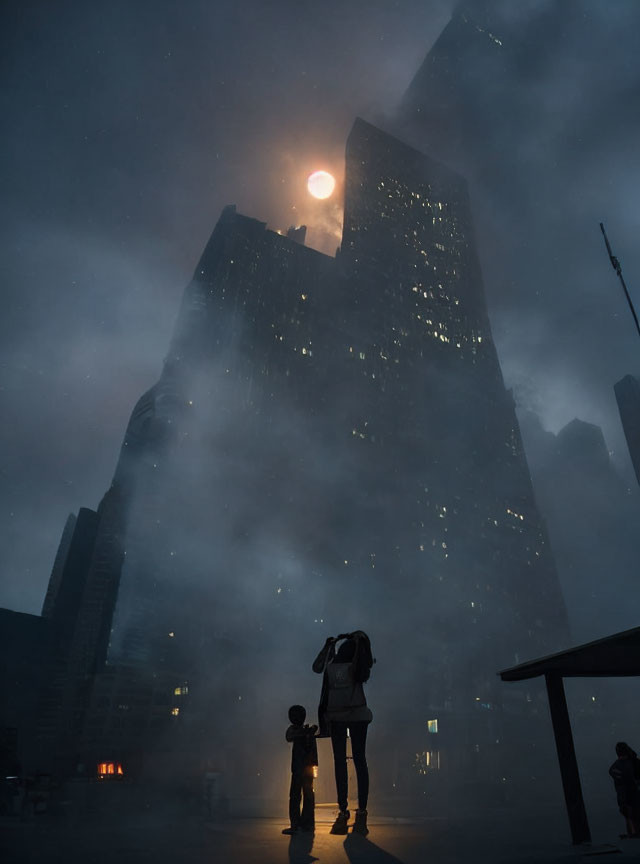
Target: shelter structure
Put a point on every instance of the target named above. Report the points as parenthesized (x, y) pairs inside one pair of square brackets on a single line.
[(614, 656)]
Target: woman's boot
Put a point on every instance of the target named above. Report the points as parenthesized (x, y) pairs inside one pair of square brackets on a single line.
[(360, 826)]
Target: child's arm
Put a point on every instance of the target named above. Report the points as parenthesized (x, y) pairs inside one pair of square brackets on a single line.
[(294, 732)]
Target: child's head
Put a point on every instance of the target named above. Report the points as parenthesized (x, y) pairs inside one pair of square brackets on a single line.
[(297, 715)]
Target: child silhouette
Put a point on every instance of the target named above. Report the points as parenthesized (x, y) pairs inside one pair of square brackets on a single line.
[(304, 757)]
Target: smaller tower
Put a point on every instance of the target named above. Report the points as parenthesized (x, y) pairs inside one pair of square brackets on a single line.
[(297, 233), (627, 392)]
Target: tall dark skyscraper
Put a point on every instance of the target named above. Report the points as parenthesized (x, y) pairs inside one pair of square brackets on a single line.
[(456, 102), (330, 446)]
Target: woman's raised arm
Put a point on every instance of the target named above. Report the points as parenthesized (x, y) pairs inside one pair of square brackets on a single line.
[(323, 657)]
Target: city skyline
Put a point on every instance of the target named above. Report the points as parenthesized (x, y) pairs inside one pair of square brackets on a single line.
[(392, 408), (100, 235), (308, 327), (307, 461)]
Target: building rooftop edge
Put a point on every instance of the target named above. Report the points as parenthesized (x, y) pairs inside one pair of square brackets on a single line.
[(359, 123)]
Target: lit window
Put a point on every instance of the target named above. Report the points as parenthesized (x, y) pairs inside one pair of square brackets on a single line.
[(109, 769), (432, 726), (428, 760)]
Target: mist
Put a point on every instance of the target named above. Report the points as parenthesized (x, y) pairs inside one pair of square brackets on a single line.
[(252, 535)]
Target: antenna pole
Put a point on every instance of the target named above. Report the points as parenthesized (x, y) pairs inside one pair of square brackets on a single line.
[(616, 266)]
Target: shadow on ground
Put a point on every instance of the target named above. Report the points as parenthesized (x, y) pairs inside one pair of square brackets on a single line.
[(361, 850)]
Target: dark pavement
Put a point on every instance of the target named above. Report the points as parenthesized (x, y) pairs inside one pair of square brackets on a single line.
[(497, 839)]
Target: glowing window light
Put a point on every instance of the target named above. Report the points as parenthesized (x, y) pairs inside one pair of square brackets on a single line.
[(432, 726), (110, 769)]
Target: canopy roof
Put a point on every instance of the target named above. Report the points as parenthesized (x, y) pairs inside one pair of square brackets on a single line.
[(616, 655)]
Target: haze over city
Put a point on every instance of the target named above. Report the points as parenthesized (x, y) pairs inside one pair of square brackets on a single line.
[(400, 418), (127, 130)]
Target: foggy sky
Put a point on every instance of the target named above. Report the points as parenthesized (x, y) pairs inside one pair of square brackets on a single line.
[(128, 126)]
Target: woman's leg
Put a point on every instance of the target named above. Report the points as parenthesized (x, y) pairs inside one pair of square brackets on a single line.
[(339, 744), (358, 732)]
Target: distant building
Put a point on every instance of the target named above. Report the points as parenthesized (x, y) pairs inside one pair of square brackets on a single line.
[(627, 392), (592, 517), (78, 608), (330, 446), (26, 649)]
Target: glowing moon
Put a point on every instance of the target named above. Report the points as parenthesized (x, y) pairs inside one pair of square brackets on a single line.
[(321, 184)]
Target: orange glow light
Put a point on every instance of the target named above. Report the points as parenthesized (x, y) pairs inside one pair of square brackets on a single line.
[(106, 769)]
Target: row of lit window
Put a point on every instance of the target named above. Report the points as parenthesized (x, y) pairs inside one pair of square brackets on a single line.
[(514, 514), (480, 30), (429, 293)]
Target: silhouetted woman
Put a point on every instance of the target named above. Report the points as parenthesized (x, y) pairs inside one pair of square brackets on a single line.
[(343, 706), (625, 773)]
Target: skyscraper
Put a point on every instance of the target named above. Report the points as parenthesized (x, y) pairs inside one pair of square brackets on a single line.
[(330, 446), (592, 514), (627, 392)]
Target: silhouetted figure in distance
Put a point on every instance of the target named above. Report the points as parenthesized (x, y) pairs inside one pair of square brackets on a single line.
[(343, 706), (625, 772), (304, 757)]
